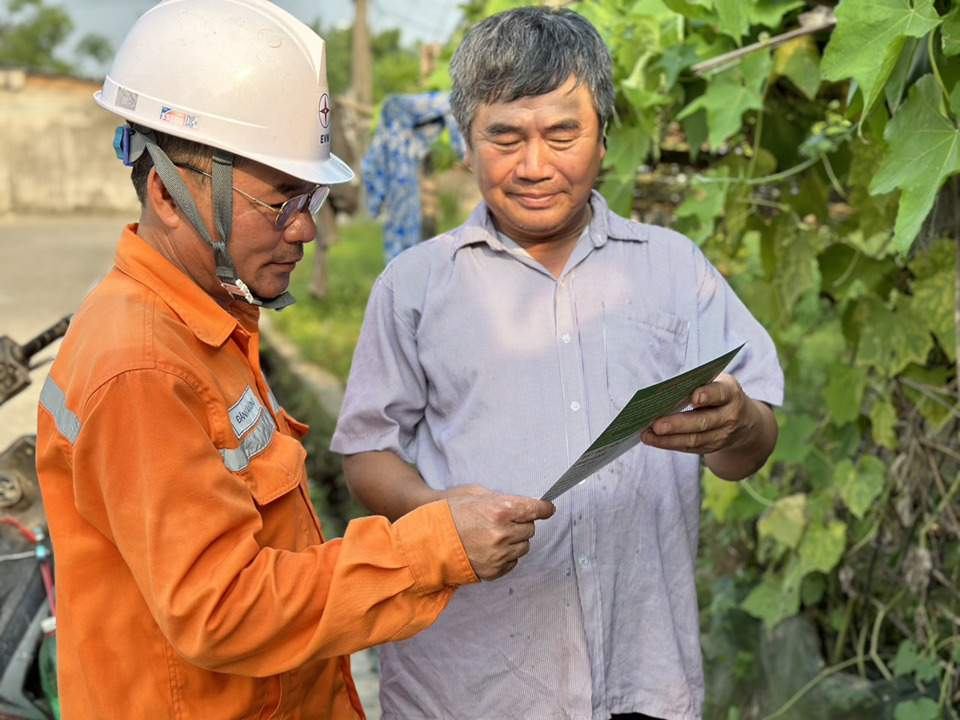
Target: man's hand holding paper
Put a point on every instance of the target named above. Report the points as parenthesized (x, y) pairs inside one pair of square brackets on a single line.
[(720, 425)]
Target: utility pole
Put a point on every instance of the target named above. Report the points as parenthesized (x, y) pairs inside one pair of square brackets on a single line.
[(361, 75)]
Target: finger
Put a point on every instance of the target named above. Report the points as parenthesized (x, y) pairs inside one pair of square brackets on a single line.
[(529, 509), (693, 421)]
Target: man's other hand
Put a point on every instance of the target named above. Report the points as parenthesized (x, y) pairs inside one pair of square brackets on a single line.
[(496, 529)]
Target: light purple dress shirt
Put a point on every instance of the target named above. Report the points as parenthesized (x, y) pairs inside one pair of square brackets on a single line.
[(479, 366)]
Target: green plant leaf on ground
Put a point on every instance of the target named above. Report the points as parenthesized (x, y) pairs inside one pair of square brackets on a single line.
[(794, 440), (859, 485), (924, 152), (843, 393), (785, 521), (896, 338), (868, 37), (773, 600), (718, 494), (934, 290), (883, 421), (822, 547), (922, 709)]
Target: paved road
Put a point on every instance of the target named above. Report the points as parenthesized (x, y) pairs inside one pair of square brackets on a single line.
[(47, 266)]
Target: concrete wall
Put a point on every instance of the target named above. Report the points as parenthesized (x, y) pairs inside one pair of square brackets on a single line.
[(56, 153)]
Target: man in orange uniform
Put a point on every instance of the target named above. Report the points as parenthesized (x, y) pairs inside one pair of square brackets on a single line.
[(192, 579)]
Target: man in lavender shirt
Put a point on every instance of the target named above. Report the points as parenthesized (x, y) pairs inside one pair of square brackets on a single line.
[(492, 356)]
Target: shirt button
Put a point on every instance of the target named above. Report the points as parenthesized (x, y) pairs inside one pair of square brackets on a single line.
[(583, 560), (574, 406), (566, 337)]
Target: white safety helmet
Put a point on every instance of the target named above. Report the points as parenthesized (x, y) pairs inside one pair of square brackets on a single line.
[(240, 76), (243, 76)]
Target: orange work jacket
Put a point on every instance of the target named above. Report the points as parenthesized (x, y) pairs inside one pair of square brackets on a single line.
[(192, 578)]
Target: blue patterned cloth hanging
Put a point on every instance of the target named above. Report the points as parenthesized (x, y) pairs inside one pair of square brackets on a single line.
[(408, 126)]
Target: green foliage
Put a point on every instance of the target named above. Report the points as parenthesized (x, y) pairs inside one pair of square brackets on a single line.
[(35, 33)]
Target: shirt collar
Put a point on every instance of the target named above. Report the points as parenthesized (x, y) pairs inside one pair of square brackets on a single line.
[(604, 225), (206, 318)]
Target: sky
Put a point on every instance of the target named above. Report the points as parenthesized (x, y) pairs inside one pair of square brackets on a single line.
[(418, 20)]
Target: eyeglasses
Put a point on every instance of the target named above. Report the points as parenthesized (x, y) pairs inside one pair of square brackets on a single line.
[(288, 210)]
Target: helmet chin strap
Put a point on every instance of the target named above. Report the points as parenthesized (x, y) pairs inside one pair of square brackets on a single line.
[(143, 138)]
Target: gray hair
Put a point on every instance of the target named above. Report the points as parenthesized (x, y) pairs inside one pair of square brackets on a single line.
[(529, 51)]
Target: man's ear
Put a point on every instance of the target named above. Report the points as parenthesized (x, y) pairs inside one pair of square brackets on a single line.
[(468, 157), (161, 201)]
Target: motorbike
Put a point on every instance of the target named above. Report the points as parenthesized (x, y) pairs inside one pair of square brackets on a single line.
[(26, 558)]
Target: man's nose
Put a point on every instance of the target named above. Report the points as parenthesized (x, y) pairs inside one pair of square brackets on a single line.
[(536, 161)]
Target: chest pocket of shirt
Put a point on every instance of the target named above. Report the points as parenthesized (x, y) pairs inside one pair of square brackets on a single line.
[(642, 348), (269, 461)]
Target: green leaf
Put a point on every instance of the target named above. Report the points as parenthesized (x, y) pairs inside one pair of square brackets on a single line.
[(859, 485), (950, 33), (876, 213), (690, 9), (867, 39), (772, 601), (718, 494), (793, 442), (844, 392), (906, 660), (934, 289), (822, 547), (769, 13), (894, 339), (930, 395), (703, 202), (922, 709), (733, 18), (727, 98), (785, 521), (797, 268), (883, 420), (798, 60), (924, 152)]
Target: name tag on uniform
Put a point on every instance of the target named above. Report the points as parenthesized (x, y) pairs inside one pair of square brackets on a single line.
[(245, 412)]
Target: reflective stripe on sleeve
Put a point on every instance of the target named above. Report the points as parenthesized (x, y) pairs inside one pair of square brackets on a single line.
[(236, 459), (53, 399)]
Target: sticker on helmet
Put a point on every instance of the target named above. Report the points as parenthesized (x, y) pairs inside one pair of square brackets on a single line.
[(127, 99), (177, 117), (324, 111)]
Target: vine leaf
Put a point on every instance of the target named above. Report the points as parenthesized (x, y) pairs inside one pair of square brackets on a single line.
[(730, 95), (733, 17), (799, 61), (822, 547), (934, 288), (920, 709), (951, 33), (843, 392), (773, 600), (924, 152), (785, 521), (859, 485), (868, 37), (883, 421), (897, 338)]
